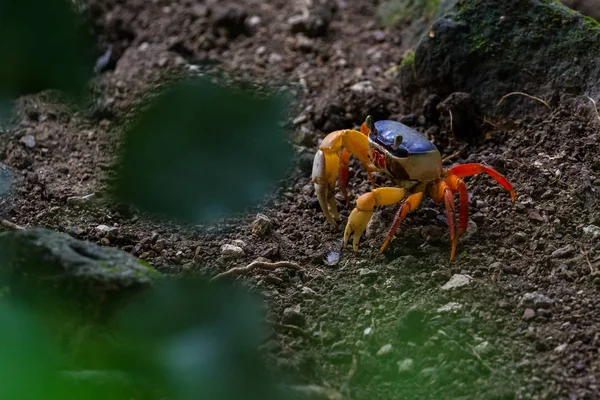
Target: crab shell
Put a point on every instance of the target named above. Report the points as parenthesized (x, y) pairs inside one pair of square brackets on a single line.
[(404, 154)]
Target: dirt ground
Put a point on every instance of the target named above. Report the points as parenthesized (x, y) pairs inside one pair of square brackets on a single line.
[(525, 325)]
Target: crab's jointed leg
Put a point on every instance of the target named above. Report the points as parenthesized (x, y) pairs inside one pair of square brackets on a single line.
[(327, 165), (457, 185), (442, 192), (411, 203), (365, 204), (465, 170)]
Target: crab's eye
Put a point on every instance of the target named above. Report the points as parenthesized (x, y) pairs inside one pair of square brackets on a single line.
[(371, 125), (397, 142)]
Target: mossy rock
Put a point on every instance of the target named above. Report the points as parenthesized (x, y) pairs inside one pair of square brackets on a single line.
[(51, 270), (489, 48)]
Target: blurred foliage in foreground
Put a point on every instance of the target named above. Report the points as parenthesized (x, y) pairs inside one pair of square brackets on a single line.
[(42, 47), (183, 340), (198, 152), (201, 151)]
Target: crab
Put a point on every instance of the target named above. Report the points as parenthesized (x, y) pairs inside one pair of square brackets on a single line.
[(409, 160)]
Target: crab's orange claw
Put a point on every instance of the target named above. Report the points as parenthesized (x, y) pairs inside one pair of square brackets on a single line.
[(365, 204), (365, 129), (465, 170), (411, 203), (326, 166), (324, 185)]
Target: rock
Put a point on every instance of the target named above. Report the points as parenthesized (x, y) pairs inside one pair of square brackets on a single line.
[(457, 281), (239, 243), (430, 111), (28, 141), (405, 365), (275, 58), (261, 225), (81, 201), (105, 228), (535, 299), (482, 348), (85, 277), (368, 332), (232, 251), (315, 24), (385, 350), (231, 18), (304, 43), (450, 307), (333, 258), (519, 237), (293, 316), (363, 87), (528, 314), (252, 23), (563, 252), (477, 48), (368, 273), (592, 230), (560, 348), (465, 121), (411, 326)]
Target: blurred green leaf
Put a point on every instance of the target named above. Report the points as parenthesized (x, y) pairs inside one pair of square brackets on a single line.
[(42, 48), (202, 151), (30, 362), (194, 340)]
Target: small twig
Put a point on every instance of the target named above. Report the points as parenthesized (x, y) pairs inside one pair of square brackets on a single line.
[(595, 107), (353, 368), (451, 156), (257, 264), (10, 225), (487, 121), (593, 271), (286, 326), (544, 102), (451, 119)]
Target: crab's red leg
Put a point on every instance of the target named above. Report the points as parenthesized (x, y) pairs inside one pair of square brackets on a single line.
[(440, 192), (465, 170), (458, 185), (411, 203)]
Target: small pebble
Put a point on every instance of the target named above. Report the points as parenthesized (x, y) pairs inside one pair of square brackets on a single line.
[(28, 140), (450, 307), (535, 299), (368, 331), (385, 350), (261, 225), (367, 273), (333, 258), (457, 281), (232, 251), (293, 316), (528, 314), (405, 365), (105, 228), (563, 252)]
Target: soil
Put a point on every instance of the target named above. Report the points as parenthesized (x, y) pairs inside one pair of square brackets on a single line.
[(525, 325)]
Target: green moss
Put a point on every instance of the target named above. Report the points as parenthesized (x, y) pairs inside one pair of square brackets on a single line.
[(591, 21), (408, 61), (392, 12)]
